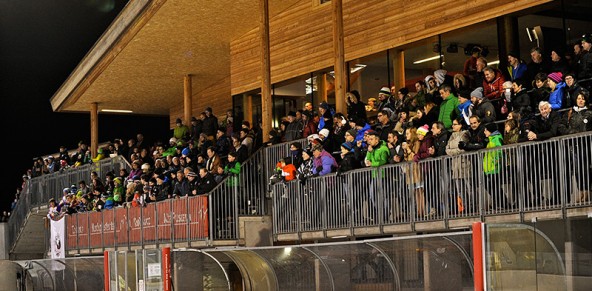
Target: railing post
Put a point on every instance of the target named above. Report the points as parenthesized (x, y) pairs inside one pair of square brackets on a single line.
[(142, 207), (156, 222), (172, 221), (128, 228), (102, 229), (235, 208), (210, 218), (188, 220)]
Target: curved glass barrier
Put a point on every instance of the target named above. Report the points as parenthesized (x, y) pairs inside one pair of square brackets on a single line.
[(404, 263), (521, 257), (80, 274)]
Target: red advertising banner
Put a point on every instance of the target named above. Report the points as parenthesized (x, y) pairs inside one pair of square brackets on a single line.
[(81, 230), (180, 219), (135, 225), (96, 229), (198, 217), (71, 239), (108, 228), (121, 226), (165, 220), (149, 223)]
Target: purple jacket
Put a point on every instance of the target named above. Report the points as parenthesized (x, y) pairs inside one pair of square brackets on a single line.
[(325, 160)]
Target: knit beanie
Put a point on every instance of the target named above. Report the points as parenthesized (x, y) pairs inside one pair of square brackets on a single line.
[(556, 77), (478, 93), (423, 130)]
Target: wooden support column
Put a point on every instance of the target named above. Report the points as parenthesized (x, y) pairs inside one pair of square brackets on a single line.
[(399, 68), (94, 129), (266, 102), (322, 88), (187, 100), (339, 57)]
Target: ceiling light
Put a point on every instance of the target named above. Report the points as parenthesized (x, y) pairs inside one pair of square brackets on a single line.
[(116, 111), (428, 59), (493, 63), (357, 67)]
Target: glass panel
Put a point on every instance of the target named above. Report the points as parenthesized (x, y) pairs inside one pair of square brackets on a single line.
[(368, 75), (152, 269), (522, 257), (456, 49), (206, 273)]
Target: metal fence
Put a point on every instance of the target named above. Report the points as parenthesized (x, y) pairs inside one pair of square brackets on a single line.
[(536, 176), (553, 174), (205, 217), (37, 191)]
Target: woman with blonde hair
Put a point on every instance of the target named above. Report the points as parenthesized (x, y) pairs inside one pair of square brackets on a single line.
[(460, 82), (410, 148)]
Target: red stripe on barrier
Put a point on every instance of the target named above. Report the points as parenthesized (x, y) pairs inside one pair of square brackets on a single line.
[(106, 270), (166, 269), (478, 256)]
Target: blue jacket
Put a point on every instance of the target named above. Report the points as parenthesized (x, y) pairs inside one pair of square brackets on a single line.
[(556, 97), (360, 135)]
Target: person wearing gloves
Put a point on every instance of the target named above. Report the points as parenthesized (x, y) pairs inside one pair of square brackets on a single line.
[(323, 162)]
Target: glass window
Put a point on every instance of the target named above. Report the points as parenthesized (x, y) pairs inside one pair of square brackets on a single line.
[(369, 74)]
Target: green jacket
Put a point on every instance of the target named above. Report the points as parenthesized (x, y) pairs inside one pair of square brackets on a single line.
[(181, 132), (378, 156), (491, 159), (447, 108), (232, 170)]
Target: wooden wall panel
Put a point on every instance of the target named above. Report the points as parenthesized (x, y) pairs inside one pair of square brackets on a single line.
[(216, 96), (301, 38)]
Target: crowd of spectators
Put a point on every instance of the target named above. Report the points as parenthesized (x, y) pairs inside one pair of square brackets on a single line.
[(195, 159), (448, 114)]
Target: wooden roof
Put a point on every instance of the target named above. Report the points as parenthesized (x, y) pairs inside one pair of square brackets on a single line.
[(139, 62)]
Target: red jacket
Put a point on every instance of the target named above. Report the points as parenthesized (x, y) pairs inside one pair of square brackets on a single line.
[(494, 89)]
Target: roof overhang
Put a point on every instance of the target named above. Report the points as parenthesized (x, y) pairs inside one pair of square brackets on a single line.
[(139, 63)]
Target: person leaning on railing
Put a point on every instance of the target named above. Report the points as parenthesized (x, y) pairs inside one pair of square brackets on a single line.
[(578, 119)]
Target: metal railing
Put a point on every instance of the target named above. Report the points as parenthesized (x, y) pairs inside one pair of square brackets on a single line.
[(213, 216), (550, 175), (39, 190), (445, 188)]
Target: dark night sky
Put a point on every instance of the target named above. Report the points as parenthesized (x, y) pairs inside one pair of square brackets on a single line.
[(41, 42)]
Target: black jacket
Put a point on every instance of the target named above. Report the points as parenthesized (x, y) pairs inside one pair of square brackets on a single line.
[(206, 184), (477, 139), (440, 142), (485, 111)]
